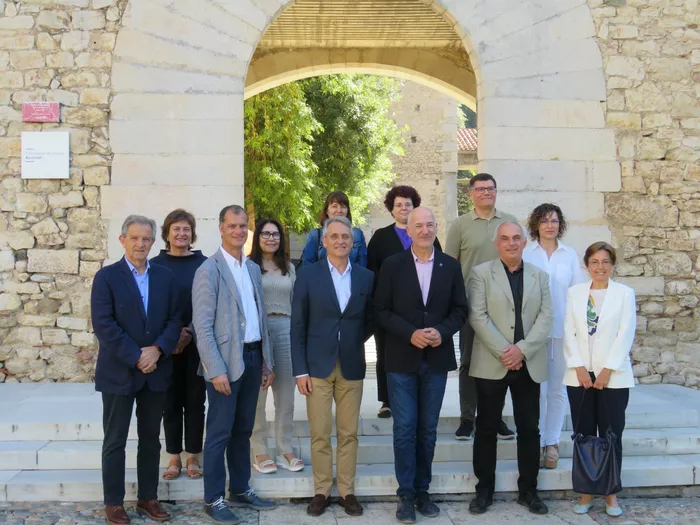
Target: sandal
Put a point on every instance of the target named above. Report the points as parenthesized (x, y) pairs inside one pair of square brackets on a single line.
[(266, 467), (194, 471), (292, 465), (173, 470)]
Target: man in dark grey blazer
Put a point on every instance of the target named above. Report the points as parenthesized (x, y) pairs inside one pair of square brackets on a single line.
[(331, 312), (230, 323)]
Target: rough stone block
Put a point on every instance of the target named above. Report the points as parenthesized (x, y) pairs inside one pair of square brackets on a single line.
[(66, 200), (30, 203), (72, 323), (83, 339), (9, 302), (639, 210), (53, 261), (17, 240), (24, 335), (646, 286), (669, 69), (36, 320), (7, 261), (54, 336), (87, 20), (27, 59), (96, 176)]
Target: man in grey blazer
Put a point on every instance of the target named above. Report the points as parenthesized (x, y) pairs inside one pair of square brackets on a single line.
[(510, 310), (230, 324)]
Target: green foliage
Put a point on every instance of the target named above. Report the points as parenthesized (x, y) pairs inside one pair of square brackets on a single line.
[(306, 139), (466, 118), (464, 202)]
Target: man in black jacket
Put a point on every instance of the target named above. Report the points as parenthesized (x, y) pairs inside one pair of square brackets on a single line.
[(385, 242), (421, 303)]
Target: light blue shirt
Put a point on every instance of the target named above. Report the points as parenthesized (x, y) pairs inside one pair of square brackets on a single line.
[(341, 283), (141, 282)]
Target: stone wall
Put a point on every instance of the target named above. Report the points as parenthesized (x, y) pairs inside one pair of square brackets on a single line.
[(51, 236), (651, 52), (429, 162)]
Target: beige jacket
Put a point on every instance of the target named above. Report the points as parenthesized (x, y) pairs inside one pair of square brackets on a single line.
[(492, 316)]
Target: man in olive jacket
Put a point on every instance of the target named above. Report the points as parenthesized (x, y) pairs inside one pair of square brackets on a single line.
[(510, 310)]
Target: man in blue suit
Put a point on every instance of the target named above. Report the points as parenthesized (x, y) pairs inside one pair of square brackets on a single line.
[(135, 318), (331, 311)]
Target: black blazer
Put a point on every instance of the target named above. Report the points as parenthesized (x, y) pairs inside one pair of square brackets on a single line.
[(317, 321), (123, 327), (400, 311), (383, 244)]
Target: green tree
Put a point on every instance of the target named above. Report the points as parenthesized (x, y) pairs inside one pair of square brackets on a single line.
[(279, 171), (308, 138), (353, 152), (466, 118)]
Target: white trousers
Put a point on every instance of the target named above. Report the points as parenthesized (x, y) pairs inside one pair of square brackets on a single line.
[(553, 398)]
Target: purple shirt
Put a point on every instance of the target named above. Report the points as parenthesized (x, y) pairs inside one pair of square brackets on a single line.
[(424, 269), (406, 241)]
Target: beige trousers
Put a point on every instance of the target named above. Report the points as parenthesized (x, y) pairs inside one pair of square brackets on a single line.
[(319, 405)]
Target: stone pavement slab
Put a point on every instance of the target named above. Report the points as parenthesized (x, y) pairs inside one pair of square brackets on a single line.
[(653, 511)]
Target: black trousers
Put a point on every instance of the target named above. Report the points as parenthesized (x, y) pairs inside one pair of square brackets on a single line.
[(116, 418), (467, 384), (491, 395), (185, 401), (382, 388), (594, 411)]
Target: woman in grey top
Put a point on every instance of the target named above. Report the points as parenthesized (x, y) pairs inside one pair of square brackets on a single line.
[(271, 254)]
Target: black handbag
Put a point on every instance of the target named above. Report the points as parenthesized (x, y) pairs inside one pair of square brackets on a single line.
[(595, 464)]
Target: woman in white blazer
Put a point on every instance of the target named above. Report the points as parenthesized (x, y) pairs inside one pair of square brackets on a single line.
[(598, 335), (546, 226)]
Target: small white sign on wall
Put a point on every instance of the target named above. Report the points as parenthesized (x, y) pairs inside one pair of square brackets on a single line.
[(45, 154)]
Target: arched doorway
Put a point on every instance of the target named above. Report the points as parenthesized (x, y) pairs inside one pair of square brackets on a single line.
[(179, 82)]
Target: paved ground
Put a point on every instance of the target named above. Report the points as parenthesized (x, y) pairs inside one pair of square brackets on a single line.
[(661, 511)]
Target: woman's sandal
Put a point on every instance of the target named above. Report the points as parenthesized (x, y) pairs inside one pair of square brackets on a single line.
[(171, 472), (194, 471), (265, 467), (292, 465)]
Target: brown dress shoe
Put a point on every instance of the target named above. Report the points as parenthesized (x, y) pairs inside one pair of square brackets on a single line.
[(116, 515), (153, 509), (318, 505), (351, 505)]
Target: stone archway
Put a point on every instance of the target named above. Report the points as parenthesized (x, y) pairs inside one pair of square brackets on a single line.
[(179, 80)]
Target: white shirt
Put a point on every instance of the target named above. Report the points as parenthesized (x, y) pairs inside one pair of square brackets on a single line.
[(244, 286), (564, 271), (341, 283)]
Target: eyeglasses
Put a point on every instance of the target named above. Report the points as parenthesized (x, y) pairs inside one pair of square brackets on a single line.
[(270, 235), (400, 206), (481, 191), (596, 263), (553, 222)]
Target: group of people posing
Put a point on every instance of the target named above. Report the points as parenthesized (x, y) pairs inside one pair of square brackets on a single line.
[(182, 328)]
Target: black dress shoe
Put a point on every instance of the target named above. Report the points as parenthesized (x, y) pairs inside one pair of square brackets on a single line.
[(533, 503), (351, 505), (504, 432), (480, 504), (405, 510), (318, 505), (426, 506)]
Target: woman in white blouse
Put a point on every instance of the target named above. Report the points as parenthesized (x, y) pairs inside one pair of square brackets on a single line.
[(598, 335), (546, 227)]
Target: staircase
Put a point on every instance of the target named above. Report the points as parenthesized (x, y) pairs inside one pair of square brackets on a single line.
[(50, 447)]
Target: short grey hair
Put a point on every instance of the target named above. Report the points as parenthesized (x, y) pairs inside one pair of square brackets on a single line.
[(139, 219), (498, 228), (342, 220)]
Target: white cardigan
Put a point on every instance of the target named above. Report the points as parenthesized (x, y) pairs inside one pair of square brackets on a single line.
[(613, 339)]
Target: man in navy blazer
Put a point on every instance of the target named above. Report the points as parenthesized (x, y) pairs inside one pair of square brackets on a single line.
[(331, 311), (135, 318)]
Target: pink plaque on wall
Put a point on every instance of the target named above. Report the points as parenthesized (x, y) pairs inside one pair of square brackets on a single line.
[(40, 112)]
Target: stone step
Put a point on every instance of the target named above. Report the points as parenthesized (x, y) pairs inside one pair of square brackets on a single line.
[(372, 480), (45, 429), (69, 455)]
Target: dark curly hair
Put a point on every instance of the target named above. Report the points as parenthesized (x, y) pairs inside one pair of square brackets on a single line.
[(596, 247), (335, 196), (177, 216), (282, 253), (405, 192), (539, 214)]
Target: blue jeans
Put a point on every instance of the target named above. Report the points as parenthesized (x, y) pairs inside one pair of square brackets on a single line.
[(230, 421), (416, 400)]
